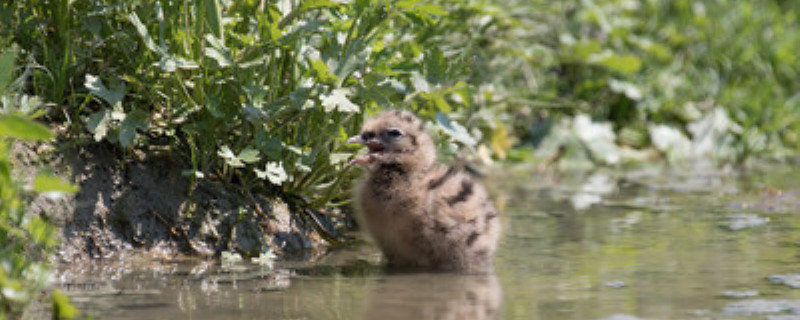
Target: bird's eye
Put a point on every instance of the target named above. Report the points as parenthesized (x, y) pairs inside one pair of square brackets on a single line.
[(394, 133)]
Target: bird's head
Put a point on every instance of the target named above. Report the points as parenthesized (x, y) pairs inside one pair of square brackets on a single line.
[(395, 137)]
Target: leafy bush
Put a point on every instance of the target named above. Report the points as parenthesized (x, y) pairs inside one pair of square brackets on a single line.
[(25, 241), (262, 94)]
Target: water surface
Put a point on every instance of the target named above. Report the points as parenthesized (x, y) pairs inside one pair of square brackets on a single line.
[(643, 244)]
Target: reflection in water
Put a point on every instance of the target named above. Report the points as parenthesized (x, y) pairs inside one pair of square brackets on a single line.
[(434, 296), (680, 246)]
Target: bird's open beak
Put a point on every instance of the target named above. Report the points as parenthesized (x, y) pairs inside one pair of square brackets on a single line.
[(356, 139)]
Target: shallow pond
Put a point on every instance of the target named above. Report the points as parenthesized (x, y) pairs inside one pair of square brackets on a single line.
[(591, 245)]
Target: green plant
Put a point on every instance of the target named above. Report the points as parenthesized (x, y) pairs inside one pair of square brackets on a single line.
[(25, 241)]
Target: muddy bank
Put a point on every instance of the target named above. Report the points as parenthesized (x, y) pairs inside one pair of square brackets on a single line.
[(137, 203)]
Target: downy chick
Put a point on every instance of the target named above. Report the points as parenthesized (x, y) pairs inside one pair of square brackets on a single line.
[(421, 214)]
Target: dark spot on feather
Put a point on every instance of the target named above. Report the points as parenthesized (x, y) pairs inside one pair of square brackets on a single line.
[(472, 238), (482, 253), (413, 140), (491, 215), (463, 194), (440, 228), (441, 180)]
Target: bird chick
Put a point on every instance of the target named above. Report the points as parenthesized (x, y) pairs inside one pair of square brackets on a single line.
[(421, 214)]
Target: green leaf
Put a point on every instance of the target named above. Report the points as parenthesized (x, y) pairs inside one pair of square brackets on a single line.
[(218, 51), (627, 64), (111, 96), (339, 157), (214, 18), (323, 73), (337, 100), (20, 127), (142, 31), (431, 9), (62, 308), (249, 155), (273, 172), (454, 130), (170, 63), (229, 157), (42, 232), (318, 4), (134, 120), (98, 124), (7, 59), (51, 183), (435, 66)]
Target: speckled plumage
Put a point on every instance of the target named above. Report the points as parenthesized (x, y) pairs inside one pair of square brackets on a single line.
[(420, 213)]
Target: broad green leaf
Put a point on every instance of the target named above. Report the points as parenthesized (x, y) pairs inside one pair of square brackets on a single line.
[(7, 59), (135, 120), (111, 96), (322, 72), (339, 157), (626, 64), (62, 309), (226, 153), (170, 63), (218, 51), (431, 9), (249, 155), (214, 18), (337, 100), (98, 124), (142, 30), (454, 130), (42, 232), (318, 4), (273, 172), (51, 183), (20, 127), (598, 137), (435, 66)]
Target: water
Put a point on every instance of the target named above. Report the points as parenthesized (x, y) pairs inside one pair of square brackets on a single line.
[(599, 245)]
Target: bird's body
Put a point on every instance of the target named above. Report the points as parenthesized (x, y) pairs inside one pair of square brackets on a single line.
[(420, 213)]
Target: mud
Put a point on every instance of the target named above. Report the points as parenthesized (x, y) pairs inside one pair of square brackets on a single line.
[(133, 203)]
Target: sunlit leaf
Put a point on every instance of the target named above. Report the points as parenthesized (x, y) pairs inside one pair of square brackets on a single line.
[(214, 18), (322, 72), (218, 51), (627, 64), (7, 59), (454, 130), (62, 308), (98, 124), (20, 127), (318, 4), (42, 232), (598, 137), (435, 66), (339, 157), (337, 100), (142, 30), (273, 172), (112, 96), (170, 63), (51, 183), (249, 155), (135, 120), (230, 158)]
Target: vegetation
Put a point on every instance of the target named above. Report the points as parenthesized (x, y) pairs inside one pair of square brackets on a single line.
[(263, 94), (25, 241)]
